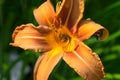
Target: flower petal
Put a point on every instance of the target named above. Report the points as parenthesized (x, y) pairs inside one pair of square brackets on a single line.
[(85, 62), (70, 12), (45, 14), (46, 63), (76, 14), (87, 28), (30, 37), (64, 11)]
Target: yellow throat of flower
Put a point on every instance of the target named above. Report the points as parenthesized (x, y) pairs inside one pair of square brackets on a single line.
[(61, 37)]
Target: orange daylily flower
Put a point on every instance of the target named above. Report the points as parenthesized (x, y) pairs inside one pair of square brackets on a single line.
[(60, 34)]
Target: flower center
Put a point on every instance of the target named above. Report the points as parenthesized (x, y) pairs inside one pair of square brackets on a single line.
[(64, 38)]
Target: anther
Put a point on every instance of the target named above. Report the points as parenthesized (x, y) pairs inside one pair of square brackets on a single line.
[(58, 5), (60, 20)]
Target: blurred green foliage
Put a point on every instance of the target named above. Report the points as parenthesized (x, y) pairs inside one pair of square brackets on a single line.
[(16, 12)]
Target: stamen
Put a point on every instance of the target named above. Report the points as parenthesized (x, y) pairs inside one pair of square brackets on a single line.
[(53, 28), (58, 5), (60, 22)]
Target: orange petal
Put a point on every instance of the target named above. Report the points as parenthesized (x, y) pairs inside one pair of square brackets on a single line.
[(70, 12), (88, 28), (46, 63), (76, 14), (64, 11), (30, 37), (45, 14), (85, 62)]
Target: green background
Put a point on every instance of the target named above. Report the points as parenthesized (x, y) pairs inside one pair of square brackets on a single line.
[(17, 64)]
